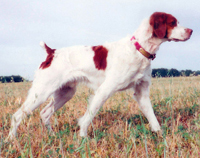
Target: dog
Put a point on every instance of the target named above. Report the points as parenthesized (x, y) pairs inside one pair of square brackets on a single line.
[(108, 68)]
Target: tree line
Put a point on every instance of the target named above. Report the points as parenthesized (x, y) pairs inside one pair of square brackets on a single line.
[(162, 72)]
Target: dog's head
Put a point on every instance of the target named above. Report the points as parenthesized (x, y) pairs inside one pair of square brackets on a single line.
[(165, 26)]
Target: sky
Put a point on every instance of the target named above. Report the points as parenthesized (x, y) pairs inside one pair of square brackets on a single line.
[(64, 23)]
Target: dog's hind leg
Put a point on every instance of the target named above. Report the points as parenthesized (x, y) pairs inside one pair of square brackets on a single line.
[(36, 96), (60, 97)]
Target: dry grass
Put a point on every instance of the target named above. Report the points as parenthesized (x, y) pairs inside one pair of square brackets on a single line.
[(118, 130)]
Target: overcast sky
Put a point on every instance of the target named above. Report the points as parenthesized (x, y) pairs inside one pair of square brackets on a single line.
[(63, 23)]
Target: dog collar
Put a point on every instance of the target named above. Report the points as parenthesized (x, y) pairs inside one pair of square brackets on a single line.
[(143, 51)]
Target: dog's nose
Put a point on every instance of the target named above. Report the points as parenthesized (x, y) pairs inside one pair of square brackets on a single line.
[(189, 31)]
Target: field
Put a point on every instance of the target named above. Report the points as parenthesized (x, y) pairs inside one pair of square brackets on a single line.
[(118, 130)]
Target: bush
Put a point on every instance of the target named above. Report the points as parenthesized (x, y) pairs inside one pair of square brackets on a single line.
[(7, 79)]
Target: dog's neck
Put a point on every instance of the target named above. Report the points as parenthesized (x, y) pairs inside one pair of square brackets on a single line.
[(144, 36)]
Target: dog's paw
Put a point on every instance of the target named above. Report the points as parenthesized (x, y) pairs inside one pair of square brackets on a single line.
[(10, 137), (155, 128), (83, 133)]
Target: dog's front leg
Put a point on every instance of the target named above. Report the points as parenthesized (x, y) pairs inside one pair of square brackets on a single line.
[(142, 97), (101, 95)]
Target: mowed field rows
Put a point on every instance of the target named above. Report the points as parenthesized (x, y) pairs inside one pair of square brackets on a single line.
[(118, 130)]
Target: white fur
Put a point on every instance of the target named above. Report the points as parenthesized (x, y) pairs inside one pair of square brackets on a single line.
[(126, 68), (179, 33)]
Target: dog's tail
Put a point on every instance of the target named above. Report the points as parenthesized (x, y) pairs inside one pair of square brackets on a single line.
[(47, 48)]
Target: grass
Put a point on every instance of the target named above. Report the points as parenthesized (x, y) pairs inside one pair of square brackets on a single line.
[(118, 130)]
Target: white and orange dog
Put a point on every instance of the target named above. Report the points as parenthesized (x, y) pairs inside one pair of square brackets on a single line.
[(105, 68)]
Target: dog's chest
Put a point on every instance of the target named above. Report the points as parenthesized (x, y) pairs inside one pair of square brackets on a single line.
[(135, 75)]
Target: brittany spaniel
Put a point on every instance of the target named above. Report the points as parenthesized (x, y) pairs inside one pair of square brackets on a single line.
[(105, 68)]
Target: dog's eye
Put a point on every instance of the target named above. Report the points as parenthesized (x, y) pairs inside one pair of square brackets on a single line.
[(173, 23), (156, 24)]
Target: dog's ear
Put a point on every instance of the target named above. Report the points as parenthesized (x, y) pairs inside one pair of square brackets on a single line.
[(158, 22)]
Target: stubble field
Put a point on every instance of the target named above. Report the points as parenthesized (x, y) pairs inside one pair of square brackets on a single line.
[(118, 130)]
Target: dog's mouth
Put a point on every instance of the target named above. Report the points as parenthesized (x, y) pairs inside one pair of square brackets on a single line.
[(177, 40)]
